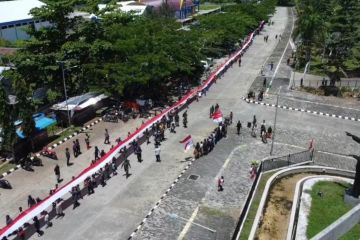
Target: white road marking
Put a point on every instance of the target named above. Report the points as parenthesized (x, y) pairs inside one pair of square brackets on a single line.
[(282, 56), (188, 224)]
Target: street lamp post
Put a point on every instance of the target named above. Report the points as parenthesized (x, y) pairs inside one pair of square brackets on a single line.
[(65, 92), (276, 110)]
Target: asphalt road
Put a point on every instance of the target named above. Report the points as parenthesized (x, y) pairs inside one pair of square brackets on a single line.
[(116, 210)]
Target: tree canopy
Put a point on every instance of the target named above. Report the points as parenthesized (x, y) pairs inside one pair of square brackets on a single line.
[(120, 54), (330, 29)]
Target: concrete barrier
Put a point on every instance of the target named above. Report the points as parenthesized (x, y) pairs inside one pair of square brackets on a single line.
[(340, 226), (289, 171)]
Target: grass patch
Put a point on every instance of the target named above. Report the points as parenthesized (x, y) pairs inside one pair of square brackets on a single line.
[(213, 212), (354, 233), (66, 133), (208, 6), (6, 167), (312, 90), (327, 209), (245, 232)]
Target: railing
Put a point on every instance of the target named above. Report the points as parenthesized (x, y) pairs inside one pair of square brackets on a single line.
[(247, 204), (267, 165), (283, 161), (353, 84)]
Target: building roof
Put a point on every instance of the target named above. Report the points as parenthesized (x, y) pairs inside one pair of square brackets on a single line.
[(4, 51), (175, 4), (79, 102), (128, 7), (17, 10)]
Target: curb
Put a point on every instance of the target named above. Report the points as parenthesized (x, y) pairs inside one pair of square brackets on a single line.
[(55, 145), (302, 110), (162, 197)]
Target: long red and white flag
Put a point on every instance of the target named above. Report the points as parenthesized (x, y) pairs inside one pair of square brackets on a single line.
[(217, 116), (188, 142)]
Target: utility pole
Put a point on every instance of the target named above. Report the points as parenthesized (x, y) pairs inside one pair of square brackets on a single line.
[(65, 92), (276, 110)]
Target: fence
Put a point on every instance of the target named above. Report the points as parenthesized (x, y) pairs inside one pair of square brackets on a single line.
[(353, 84), (283, 161), (266, 165)]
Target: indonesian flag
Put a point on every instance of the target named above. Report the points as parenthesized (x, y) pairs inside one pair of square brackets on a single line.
[(217, 116), (188, 142)]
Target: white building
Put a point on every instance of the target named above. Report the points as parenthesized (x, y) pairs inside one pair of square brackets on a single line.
[(14, 16)]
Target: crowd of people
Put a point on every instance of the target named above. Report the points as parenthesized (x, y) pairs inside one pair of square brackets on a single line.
[(171, 122)]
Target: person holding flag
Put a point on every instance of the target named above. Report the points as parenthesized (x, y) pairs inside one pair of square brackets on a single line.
[(217, 116), (188, 142)]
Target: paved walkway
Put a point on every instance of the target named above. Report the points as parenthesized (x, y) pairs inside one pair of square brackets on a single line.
[(39, 182)]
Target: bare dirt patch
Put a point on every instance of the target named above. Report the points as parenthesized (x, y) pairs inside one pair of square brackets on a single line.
[(277, 212)]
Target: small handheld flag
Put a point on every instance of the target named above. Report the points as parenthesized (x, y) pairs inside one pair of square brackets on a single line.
[(188, 142), (217, 116)]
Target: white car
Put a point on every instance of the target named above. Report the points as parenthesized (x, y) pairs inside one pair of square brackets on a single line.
[(205, 65)]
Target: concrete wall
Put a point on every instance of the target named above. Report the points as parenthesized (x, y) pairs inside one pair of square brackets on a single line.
[(17, 31), (341, 226), (289, 171)]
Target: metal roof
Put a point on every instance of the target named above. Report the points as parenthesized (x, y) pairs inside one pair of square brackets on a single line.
[(17, 10)]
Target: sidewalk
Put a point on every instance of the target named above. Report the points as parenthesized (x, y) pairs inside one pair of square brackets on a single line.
[(39, 182)]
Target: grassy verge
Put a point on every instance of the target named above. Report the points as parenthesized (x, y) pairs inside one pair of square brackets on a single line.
[(66, 133), (245, 232), (328, 208), (6, 167), (354, 233), (208, 6)]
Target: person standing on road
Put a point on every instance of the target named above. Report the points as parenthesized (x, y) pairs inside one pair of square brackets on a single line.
[(264, 82), (271, 66), (157, 153), (221, 184), (59, 209), (37, 226), (75, 150), (238, 127), (231, 117), (107, 137), (177, 119), (254, 122), (97, 153), (126, 165), (67, 154), (147, 136), (239, 62), (138, 153), (212, 109), (57, 173), (31, 201), (262, 128), (8, 220), (87, 141), (78, 146)]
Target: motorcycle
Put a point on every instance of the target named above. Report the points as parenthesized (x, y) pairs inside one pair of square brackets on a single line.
[(110, 118), (48, 153), (5, 184), (36, 162), (26, 164)]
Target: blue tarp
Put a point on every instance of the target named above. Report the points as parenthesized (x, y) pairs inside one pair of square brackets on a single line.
[(41, 123)]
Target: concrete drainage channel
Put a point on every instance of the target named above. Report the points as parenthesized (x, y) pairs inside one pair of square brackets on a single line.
[(261, 222), (194, 177)]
